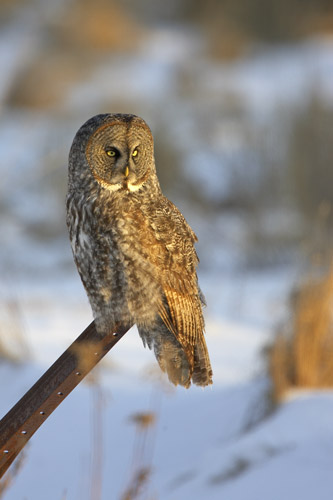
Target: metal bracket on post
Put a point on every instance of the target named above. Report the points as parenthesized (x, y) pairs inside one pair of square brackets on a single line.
[(29, 413)]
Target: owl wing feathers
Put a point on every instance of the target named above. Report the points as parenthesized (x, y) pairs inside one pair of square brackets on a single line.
[(180, 309), (183, 317), (186, 315)]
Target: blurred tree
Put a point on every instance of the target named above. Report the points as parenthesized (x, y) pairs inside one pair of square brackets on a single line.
[(229, 25), (311, 159)]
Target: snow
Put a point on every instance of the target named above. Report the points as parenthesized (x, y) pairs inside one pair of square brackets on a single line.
[(209, 443), (288, 456)]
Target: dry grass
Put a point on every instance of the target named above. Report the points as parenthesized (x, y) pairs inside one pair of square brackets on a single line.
[(13, 345), (230, 27), (99, 25), (11, 474), (309, 160), (74, 42), (43, 83), (141, 467), (303, 357), (98, 437)]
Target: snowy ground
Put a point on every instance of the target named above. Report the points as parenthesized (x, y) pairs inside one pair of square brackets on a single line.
[(204, 443)]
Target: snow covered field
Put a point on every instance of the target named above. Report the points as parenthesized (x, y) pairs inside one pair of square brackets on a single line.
[(192, 427), (210, 443)]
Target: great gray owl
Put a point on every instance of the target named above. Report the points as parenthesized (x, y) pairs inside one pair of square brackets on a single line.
[(133, 248)]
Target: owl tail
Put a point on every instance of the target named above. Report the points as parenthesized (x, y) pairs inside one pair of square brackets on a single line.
[(202, 370), (173, 360)]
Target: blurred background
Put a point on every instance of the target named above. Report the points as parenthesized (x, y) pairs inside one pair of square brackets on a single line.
[(239, 97)]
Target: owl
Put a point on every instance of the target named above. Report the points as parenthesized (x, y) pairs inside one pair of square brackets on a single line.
[(133, 248)]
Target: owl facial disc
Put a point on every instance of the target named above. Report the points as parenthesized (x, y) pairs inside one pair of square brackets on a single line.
[(120, 155)]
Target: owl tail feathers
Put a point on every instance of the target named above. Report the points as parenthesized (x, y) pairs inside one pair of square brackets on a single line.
[(173, 360), (202, 370), (174, 363), (169, 354)]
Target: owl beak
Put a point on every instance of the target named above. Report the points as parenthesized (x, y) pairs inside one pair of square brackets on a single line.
[(126, 172)]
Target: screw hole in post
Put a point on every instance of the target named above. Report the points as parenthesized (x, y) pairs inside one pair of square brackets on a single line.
[(115, 334), (77, 373), (42, 412), (60, 393), (23, 432), (6, 451)]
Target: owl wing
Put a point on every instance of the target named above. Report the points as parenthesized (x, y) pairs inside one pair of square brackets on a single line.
[(181, 306), (181, 312)]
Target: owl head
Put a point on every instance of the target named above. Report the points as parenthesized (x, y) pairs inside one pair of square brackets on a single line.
[(114, 151)]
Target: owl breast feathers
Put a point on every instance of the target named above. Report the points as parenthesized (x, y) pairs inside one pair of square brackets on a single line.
[(133, 248)]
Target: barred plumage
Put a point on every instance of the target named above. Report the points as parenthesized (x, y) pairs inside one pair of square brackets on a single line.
[(133, 248)]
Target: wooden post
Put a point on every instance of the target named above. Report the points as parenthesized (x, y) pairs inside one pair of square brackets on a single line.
[(29, 413)]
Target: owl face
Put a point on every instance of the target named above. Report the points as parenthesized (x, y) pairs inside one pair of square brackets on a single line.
[(120, 153)]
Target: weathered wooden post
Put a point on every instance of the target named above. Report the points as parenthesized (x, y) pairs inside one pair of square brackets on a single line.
[(29, 413)]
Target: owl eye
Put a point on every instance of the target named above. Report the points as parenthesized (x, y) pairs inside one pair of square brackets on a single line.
[(135, 152), (111, 152)]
